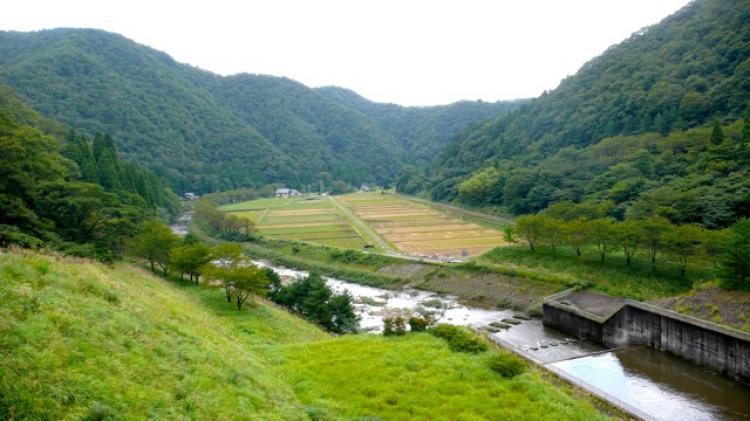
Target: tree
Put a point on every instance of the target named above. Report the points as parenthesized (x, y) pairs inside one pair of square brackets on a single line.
[(530, 227), (247, 280), (191, 259), (745, 139), (551, 232), (601, 232), (628, 235), (735, 264), (717, 135), (684, 241), (154, 243), (575, 233), (509, 234), (653, 230)]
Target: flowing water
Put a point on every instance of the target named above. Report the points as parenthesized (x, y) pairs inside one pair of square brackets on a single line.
[(654, 384)]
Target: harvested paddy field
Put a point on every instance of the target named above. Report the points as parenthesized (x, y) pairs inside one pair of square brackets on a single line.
[(310, 219), (418, 230)]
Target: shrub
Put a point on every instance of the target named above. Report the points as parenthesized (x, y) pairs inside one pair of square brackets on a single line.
[(393, 326), (418, 324), (506, 364), (459, 339)]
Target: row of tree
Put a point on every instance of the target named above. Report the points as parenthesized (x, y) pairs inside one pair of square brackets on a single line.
[(222, 224), (226, 265), (578, 228)]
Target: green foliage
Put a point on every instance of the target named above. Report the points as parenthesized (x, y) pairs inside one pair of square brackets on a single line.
[(506, 364), (616, 130), (509, 234), (418, 324), (459, 339), (735, 262), (206, 132), (394, 326), (222, 224), (190, 259), (155, 243), (314, 300)]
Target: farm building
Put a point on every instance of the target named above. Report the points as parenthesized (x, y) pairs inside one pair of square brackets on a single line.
[(190, 196), (284, 193), (364, 187)]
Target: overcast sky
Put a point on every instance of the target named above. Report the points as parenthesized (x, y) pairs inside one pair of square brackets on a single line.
[(411, 52)]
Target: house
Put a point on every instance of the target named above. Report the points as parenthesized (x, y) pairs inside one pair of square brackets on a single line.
[(284, 193), (190, 196), (364, 187)]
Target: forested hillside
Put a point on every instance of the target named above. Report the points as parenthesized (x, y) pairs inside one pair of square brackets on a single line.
[(74, 195), (424, 131), (206, 132), (680, 74)]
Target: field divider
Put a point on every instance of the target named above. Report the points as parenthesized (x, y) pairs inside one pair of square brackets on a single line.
[(362, 229)]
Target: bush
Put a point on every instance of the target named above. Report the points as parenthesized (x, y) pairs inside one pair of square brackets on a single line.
[(418, 324), (506, 364), (459, 339), (393, 326)]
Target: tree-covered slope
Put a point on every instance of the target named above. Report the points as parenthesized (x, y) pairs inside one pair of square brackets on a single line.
[(678, 74), (207, 132), (424, 131)]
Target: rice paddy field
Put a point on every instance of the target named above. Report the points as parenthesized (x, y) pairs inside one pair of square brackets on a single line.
[(311, 219), (418, 230), (407, 227)]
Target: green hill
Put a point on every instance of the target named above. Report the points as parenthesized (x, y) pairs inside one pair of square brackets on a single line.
[(424, 131), (84, 340), (204, 131), (690, 68)]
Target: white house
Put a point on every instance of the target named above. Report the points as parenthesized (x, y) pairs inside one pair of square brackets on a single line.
[(284, 193), (190, 196)]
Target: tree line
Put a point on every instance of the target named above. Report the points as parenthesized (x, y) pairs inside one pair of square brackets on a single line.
[(585, 227), (226, 265)]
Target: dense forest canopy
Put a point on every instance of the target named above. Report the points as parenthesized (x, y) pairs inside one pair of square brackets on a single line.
[(207, 133), (637, 100), (74, 195)]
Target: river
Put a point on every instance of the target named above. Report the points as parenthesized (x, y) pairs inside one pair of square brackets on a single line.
[(652, 384), (649, 383)]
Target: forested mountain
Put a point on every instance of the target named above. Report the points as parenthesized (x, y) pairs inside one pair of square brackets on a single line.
[(206, 132), (686, 71), (424, 131), (74, 195)]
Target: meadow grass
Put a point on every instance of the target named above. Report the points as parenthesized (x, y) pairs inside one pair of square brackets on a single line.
[(81, 339), (417, 376), (85, 341)]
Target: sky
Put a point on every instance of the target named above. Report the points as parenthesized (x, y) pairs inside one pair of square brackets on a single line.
[(409, 52)]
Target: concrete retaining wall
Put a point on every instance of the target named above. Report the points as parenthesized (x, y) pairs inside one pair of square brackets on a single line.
[(635, 323)]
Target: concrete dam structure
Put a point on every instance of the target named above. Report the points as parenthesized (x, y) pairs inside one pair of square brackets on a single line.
[(616, 322)]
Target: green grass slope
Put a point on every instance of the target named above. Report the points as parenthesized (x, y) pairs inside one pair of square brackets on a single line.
[(80, 339), (85, 341)]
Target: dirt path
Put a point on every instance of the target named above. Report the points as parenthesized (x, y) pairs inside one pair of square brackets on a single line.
[(363, 230)]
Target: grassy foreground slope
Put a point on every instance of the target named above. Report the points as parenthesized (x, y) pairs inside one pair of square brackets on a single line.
[(82, 340)]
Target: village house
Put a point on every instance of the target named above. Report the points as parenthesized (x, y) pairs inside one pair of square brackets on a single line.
[(285, 193)]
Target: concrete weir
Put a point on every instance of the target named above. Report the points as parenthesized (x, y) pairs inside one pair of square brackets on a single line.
[(615, 322)]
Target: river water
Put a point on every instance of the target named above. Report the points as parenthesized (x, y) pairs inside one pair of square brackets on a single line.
[(653, 384)]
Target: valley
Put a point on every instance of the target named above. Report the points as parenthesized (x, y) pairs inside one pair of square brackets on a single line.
[(179, 243)]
